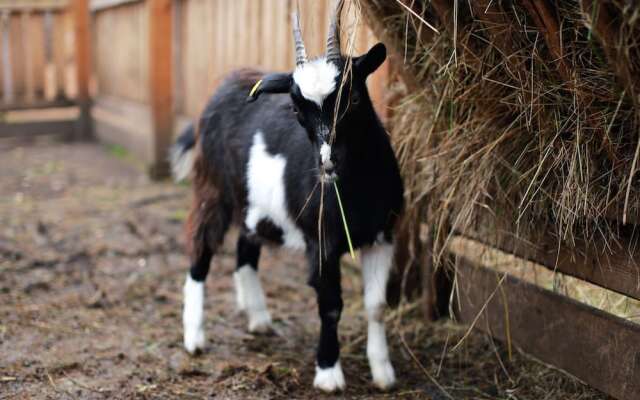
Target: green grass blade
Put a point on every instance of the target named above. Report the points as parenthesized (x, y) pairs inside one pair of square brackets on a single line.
[(344, 221)]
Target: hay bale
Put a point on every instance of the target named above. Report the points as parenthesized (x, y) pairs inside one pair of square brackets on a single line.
[(528, 109)]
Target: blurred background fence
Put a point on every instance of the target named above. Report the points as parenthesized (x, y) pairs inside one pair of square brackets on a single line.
[(148, 66), (37, 53), (40, 88), (199, 42)]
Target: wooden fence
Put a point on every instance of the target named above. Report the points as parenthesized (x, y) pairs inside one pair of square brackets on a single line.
[(39, 69), (198, 43)]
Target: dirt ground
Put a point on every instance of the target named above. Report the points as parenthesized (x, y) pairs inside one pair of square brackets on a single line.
[(91, 271)]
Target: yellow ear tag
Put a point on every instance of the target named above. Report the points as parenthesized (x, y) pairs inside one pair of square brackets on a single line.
[(255, 87)]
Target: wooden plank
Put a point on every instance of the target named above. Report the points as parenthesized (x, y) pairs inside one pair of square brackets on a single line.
[(40, 115), (99, 5), (596, 347), (161, 83), (615, 267), (38, 105), (35, 5), (24, 129), (83, 66), (37, 39), (17, 56), (254, 16), (28, 57), (178, 57), (228, 38), (7, 66), (60, 31), (68, 56), (212, 61), (50, 82)]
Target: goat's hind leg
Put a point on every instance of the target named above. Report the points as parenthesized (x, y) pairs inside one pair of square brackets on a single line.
[(206, 228), (249, 294)]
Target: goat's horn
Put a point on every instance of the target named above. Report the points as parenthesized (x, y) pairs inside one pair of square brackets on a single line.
[(301, 53), (333, 40)]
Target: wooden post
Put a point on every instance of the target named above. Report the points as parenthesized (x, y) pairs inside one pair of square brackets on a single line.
[(7, 72), (160, 79), (83, 66)]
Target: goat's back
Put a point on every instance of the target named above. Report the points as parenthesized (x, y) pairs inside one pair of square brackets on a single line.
[(228, 127)]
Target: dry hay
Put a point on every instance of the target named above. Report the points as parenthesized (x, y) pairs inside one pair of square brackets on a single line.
[(527, 111)]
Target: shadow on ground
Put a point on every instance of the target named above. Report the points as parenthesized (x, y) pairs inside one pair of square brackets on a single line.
[(91, 269)]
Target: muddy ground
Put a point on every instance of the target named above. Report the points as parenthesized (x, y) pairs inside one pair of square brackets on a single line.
[(91, 269)]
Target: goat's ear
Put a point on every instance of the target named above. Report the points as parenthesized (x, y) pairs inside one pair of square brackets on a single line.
[(368, 63), (272, 83)]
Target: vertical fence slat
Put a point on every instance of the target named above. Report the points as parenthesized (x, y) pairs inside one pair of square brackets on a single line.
[(7, 78), (178, 56), (50, 84), (254, 16), (58, 32), (210, 13), (29, 84)]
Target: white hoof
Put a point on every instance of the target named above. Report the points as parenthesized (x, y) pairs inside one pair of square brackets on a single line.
[(259, 321), (194, 339), (329, 379), (383, 375)]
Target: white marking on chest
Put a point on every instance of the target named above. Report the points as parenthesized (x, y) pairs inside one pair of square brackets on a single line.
[(266, 193), (316, 79)]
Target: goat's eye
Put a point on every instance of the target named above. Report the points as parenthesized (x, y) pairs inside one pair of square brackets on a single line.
[(355, 99), (295, 109)]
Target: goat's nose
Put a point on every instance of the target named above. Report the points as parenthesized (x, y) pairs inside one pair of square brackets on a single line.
[(329, 171), (328, 166)]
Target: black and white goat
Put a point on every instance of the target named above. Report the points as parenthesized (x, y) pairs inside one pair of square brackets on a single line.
[(269, 163)]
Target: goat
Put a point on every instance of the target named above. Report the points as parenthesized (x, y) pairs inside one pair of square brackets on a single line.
[(272, 163)]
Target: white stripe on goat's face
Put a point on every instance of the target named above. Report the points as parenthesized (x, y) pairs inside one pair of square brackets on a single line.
[(316, 79), (325, 155), (327, 164), (266, 193)]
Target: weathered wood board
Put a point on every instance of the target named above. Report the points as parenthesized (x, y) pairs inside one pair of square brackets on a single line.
[(600, 349)]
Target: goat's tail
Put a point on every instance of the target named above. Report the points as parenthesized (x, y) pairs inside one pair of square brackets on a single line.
[(182, 154)]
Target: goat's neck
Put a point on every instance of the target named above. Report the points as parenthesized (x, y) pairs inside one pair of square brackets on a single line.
[(366, 151)]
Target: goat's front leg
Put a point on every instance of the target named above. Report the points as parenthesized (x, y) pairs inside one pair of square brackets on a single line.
[(325, 279), (376, 265)]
